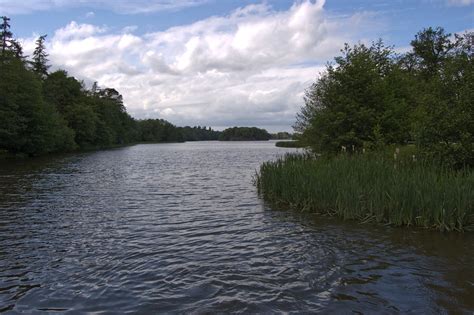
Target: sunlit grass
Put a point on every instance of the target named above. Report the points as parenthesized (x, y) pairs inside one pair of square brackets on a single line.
[(402, 192)]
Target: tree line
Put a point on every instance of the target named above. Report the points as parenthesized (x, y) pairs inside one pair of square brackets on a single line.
[(43, 112), (244, 134), (372, 97)]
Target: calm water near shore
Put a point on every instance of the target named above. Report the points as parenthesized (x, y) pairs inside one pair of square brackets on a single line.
[(180, 228)]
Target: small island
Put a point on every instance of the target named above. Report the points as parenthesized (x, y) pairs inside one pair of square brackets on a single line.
[(244, 134)]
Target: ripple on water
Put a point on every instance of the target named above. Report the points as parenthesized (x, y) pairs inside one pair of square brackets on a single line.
[(180, 228)]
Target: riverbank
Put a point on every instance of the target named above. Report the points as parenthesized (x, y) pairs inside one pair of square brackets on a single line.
[(371, 189)]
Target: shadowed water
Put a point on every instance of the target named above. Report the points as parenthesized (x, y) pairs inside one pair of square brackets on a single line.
[(180, 228)]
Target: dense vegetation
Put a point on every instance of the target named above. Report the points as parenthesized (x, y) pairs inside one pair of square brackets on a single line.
[(42, 112), (371, 188), (290, 144), (373, 97), (391, 137), (199, 133), (282, 136), (244, 134)]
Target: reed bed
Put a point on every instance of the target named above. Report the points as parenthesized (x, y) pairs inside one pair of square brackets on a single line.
[(372, 188), (290, 144)]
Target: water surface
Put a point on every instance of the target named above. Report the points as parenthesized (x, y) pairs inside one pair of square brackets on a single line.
[(180, 228)]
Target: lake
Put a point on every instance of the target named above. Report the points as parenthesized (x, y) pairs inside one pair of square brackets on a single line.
[(180, 228)]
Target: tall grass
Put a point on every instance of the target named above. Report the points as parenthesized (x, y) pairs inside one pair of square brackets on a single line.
[(372, 188), (290, 144)]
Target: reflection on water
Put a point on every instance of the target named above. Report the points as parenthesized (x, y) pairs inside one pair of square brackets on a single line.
[(179, 227)]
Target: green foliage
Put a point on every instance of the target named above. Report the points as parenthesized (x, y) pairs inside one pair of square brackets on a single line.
[(430, 48), (62, 91), (374, 101), (445, 128), (43, 112), (372, 98), (355, 103), (5, 34), (40, 58), (282, 136), (158, 130), (244, 134), (290, 144), (368, 188), (28, 124), (199, 133)]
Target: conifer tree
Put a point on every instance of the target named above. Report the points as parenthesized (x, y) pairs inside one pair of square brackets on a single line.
[(40, 58), (5, 34), (17, 49)]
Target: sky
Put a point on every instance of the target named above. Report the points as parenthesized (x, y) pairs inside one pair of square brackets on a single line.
[(218, 63)]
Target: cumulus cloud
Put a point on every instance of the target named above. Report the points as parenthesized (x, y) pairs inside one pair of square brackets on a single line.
[(120, 6), (250, 67)]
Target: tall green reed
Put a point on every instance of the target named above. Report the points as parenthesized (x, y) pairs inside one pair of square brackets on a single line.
[(365, 187)]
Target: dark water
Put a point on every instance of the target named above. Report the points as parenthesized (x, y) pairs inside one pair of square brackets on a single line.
[(180, 228)]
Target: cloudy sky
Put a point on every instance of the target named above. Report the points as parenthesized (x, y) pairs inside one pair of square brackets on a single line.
[(218, 62)]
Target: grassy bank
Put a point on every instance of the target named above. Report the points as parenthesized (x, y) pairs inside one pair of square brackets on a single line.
[(372, 189), (289, 144)]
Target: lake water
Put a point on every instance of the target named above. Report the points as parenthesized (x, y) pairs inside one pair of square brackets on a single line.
[(180, 228)]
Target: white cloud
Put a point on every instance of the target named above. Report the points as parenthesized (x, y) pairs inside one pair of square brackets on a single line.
[(120, 6), (248, 68), (78, 31)]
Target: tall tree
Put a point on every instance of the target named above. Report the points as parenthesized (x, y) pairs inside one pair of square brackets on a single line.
[(5, 34), (357, 103), (445, 126), (431, 46), (8, 43), (28, 124), (40, 58), (17, 49)]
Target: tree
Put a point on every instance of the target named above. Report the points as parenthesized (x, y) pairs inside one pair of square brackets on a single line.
[(62, 91), (40, 58), (445, 126), (17, 49), (28, 124), (8, 43), (5, 34), (244, 134), (357, 103), (431, 46), (372, 98)]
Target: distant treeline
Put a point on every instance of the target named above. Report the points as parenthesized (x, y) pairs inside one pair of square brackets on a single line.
[(282, 136), (43, 112), (244, 134), (229, 134), (199, 133)]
